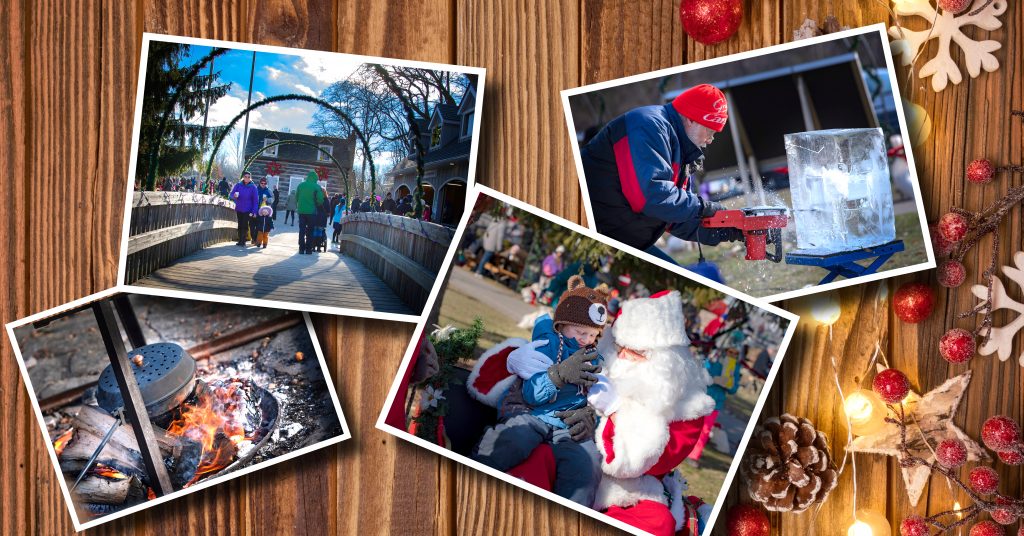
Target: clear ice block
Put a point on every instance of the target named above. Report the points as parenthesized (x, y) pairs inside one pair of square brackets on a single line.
[(842, 197)]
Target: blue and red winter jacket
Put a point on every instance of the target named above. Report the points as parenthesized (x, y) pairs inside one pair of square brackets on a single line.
[(635, 173)]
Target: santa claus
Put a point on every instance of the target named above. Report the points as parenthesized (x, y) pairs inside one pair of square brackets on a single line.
[(652, 403)]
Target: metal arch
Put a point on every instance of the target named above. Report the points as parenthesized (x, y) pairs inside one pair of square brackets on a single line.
[(306, 98), (154, 156), (298, 142)]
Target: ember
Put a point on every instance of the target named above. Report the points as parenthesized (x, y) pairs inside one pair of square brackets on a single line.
[(107, 472), (62, 441), (222, 421)]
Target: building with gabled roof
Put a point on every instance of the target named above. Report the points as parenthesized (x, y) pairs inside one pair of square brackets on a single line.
[(287, 165)]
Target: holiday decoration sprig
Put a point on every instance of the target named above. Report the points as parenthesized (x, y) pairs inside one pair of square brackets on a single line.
[(451, 345)]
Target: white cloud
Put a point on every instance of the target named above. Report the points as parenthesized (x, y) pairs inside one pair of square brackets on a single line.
[(327, 70), (306, 89), (273, 73)]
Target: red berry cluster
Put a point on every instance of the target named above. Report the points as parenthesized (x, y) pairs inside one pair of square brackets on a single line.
[(891, 385), (913, 302), (1002, 434)]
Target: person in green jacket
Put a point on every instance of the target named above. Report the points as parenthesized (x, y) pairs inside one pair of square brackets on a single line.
[(308, 196)]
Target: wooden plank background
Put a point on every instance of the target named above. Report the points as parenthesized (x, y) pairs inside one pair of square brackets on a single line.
[(67, 89)]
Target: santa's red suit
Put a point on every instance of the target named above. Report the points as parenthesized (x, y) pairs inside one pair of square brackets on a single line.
[(653, 412)]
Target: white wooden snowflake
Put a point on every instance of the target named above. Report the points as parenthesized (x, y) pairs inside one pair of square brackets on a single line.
[(1001, 338), (947, 29)]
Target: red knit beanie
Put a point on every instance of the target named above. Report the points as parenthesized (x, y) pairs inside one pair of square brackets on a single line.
[(704, 104)]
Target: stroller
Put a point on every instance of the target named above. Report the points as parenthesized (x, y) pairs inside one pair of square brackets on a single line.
[(319, 237)]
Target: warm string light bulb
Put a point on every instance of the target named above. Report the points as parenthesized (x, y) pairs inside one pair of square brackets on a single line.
[(869, 523), (865, 411), (825, 309)]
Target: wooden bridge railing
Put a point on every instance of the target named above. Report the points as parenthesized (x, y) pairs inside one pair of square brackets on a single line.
[(405, 253), (166, 226)]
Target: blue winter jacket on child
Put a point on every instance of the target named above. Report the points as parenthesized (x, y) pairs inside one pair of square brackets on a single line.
[(539, 391)]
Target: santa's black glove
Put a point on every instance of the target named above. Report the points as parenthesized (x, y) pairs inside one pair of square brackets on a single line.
[(581, 423), (709, 208), (577, 370)]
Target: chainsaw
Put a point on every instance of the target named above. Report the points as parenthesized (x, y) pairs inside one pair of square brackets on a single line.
[(760, 225)]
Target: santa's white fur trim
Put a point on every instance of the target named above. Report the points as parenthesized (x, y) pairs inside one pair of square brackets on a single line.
[(626, 492), (647, 323), (637, 444), (493, 397), (675, 485)]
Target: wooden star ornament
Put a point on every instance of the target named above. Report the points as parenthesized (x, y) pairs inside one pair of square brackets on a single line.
[(929, 421)]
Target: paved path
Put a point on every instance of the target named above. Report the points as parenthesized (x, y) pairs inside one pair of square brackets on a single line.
[(279, 273)]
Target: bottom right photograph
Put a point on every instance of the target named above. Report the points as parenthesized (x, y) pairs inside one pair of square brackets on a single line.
[(892, 415)]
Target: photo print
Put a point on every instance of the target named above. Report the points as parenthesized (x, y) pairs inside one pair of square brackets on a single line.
[(143, 399), (618, 387), (779, 172), (301, 179)]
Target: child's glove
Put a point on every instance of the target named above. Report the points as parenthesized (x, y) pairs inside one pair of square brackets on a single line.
[(577, 370), (581, 423), (526, 361), (603, 397)]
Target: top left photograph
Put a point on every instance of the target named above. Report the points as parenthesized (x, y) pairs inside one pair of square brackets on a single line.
[(296, 179)]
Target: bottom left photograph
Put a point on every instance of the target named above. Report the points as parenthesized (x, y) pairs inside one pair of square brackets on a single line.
[(142, 399)]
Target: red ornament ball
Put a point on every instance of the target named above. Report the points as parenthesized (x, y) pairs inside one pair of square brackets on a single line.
[(951, 273), (980, 171), (1000, 433), (984, 480), (1012, 457), (747, 520), (1020, 531), (954, 6), (953, 226), (913, 302), (987, 528), (914, 526), (1003, 516), (941, 246), (891, 385), (951, 453), (957, 345), (711, 21)]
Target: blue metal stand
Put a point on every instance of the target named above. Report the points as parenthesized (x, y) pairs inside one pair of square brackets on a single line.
[(844, 263)]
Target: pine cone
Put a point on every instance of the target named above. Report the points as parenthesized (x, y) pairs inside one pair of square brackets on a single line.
[(788, 466)]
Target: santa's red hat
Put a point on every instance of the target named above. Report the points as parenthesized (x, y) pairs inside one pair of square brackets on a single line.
[(704, 104), (650, 323)]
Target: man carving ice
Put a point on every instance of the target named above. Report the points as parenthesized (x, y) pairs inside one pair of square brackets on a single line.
[(638, 170)]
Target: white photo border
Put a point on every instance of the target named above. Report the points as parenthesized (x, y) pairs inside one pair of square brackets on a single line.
[(880, 29), (346, 432), (473, 196), (122, 264)]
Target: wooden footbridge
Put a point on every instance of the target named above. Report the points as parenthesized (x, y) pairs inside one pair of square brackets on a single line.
[(186, 241)]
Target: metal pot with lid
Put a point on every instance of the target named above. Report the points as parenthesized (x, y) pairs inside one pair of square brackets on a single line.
[(166, 375)]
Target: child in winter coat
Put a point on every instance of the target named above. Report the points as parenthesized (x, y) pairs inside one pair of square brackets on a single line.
[(264, 224), (550, 405)]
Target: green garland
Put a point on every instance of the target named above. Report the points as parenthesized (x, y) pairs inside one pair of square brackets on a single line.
[(451, 345)]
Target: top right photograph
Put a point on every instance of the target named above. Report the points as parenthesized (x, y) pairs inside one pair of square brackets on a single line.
[(779, 172)]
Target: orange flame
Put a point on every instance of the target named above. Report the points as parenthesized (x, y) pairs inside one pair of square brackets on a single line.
[(62, 441), (107, 471), (215, 421)]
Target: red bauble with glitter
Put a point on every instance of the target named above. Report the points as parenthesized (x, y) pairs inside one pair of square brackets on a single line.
[(1000, 433), (957, 345), (987, 528), (747, 520), (984, 480), (951, 453), (913, 302), (914, 526), (951, 273), (954, 6), (953, 226), (941, 246), (1012, 457), (980, 171), (891, 386), (711, 21), (1003, 516)]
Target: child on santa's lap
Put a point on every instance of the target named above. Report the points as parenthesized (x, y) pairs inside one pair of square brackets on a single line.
[(546, 404)]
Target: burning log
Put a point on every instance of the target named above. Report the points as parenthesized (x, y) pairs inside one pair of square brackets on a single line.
[(119, 489)]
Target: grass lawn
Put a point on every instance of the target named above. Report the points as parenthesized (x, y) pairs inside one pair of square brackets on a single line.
[(459, 310), (764, 278)]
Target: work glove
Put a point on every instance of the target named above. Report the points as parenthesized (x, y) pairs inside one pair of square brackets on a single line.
[(581, 423), (577, 370), (709, 208), (723, 234), (526, 361), (603, 397)]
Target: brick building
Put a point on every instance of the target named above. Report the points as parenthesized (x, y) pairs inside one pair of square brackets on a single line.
[(294, 161)]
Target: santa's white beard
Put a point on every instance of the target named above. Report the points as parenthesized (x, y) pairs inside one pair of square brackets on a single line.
[(670, 383)]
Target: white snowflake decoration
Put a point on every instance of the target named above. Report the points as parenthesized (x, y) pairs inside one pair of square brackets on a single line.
[(1001, 338), (977, 54)]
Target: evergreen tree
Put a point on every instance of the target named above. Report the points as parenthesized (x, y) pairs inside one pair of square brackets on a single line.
[(182, 143)]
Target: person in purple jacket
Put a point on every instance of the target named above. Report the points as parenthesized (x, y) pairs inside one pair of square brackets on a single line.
[(246, 202), (638, 170)]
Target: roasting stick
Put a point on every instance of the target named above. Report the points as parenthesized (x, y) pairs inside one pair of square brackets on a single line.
[(99, 449)]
